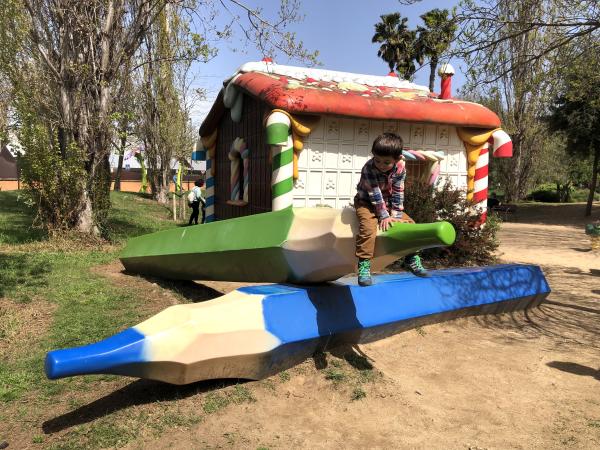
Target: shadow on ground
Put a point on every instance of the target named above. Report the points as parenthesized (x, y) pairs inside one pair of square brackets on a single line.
[(576, 369), (571, 214), (139, 392), (569, 313), (190, 290)]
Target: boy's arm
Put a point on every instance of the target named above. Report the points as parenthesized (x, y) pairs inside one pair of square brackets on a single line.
[(375, 195), (397, 199)]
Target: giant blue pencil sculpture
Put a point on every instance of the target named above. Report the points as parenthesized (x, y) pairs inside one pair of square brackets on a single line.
[(256, 331)]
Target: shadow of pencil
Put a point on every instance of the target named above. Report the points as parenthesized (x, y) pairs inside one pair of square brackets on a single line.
[(575, 368)]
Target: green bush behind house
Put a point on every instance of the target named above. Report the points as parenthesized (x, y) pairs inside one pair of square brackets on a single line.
[(474, 246)]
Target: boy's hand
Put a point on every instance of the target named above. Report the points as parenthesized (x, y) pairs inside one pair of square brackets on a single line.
[(384, 224)]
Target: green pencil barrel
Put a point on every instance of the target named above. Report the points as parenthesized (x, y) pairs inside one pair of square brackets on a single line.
[(420, 235)]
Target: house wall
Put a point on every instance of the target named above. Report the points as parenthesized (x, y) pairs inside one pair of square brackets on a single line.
[(330, 164), (337, 148), (252, 130), (9, 185)]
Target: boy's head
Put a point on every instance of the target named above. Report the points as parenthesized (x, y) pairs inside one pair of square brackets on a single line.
[(387, 150), (199, 183)]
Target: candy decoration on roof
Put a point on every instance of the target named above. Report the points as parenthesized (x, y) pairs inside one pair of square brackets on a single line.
[(476, 143), (445, 72), (239, 157), (334, 76), (279, 137), (234, 100)]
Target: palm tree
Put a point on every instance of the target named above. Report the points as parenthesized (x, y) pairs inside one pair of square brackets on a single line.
[(434, 38), (398, 44)]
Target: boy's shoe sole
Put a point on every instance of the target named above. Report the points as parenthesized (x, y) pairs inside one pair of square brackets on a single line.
[(421, 274), (365, 282)]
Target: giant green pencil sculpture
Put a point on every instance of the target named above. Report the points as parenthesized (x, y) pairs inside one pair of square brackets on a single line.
[(294, 245)]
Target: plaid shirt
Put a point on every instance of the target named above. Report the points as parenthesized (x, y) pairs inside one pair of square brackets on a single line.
[(383, 189)]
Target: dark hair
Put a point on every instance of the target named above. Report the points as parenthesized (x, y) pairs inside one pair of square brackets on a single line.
[(199, 183), (388, 144)]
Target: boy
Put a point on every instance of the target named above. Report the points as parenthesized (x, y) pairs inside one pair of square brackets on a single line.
[(195, 205), (381, 186)]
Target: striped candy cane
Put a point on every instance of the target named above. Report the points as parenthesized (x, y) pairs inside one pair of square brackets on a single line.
[(245, 154), (477, 144), (206, 147), (480, 185), (210, 191), (279, 137), (239, 151), (501, 144), (234, 179)]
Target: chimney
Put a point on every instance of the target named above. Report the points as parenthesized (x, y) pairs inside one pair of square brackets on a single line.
[(445, 72)]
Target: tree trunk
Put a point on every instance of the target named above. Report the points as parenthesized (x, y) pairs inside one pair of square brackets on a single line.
[(85, 224), (433, 66), (161, 185), (588, 208), (117, 186)]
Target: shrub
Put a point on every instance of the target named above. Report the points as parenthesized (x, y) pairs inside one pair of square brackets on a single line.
[(545, 193), (473, 246)]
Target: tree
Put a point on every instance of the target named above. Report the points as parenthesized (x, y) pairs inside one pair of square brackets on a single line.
[(576, 113), (434, 39), (64, 58), (163, 121), (520, 96), (398, 44), (567, 23), (563, 23), (123, 119)]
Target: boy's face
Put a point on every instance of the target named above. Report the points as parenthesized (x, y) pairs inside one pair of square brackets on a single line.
[(384, 163)]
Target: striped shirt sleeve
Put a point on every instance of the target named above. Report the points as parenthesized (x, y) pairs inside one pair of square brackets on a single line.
[(374, 191), (397, 198)]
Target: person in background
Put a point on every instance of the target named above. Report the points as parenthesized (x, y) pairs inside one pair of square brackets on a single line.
[(195, 200)]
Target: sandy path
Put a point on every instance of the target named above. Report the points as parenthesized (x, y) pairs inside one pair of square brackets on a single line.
[(527, 380)]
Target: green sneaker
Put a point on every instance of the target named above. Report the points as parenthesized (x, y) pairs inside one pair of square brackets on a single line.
[(413, 264), (364, 272)]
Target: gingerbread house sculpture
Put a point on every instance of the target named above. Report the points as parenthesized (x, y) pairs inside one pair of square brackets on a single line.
[(280, 136)]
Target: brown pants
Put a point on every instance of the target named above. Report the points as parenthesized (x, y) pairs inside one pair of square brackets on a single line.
[(367, 228)]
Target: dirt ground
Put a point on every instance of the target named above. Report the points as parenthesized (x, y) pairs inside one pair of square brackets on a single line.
[(525, 380), (516, 381)]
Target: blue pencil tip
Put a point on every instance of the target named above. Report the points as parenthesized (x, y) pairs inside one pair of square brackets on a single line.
[(105, 356)]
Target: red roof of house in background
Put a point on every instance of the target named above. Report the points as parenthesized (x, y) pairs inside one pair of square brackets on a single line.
[(299, 93)]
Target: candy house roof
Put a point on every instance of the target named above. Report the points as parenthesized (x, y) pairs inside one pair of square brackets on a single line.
[(300, 90)]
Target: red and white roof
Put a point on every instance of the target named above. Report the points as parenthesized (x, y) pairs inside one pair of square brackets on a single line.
[(300, 90)]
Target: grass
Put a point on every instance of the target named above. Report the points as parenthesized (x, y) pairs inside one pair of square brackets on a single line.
[(352, 372), (215, 401), (71, 305)]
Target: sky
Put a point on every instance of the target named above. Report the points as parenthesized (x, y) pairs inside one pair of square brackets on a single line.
[(341, 30)]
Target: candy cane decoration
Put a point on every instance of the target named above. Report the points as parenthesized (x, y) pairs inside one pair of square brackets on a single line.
[(477, 143), (210, 191), (431, 156), (206, 146), (239, 152), (480, 183), (279, 137), (501, 144)]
